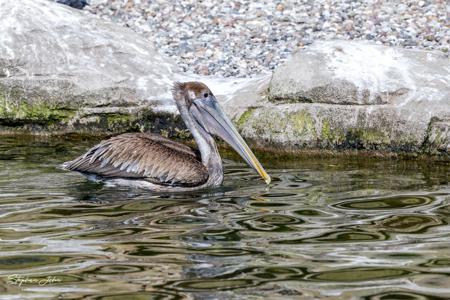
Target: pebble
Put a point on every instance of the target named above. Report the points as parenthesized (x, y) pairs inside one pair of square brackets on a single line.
[(245, 38)]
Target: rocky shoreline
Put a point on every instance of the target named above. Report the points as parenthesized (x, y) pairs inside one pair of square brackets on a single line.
[(66, 71), (243, 38)]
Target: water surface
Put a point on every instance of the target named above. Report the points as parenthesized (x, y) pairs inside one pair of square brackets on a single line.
[(328, 228)]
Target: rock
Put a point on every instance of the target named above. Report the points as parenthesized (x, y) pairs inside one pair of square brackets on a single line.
[(438, 136), (63, 70), (354, 95), (359, 73), (79, 4), (280, 7), (348, 25)]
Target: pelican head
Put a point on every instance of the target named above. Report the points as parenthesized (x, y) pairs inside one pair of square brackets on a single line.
[(200, 110)]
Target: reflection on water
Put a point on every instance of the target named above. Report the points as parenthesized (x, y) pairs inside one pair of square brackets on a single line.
[(331, 228)]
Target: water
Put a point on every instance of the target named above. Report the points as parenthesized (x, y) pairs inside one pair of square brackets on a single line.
[(330, 228)]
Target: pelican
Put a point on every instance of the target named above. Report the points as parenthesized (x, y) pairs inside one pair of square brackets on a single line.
[(159, 164)]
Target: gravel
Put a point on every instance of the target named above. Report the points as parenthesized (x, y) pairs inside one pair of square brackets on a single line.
[(246, 38)]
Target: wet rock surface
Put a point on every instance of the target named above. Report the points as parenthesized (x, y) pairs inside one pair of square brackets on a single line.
[(63, 70), (355, 95)]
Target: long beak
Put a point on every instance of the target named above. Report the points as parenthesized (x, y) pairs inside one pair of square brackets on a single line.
[(219, 124)]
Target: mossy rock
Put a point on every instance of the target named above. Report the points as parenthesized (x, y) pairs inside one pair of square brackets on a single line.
[(38, 111), (296, 127)]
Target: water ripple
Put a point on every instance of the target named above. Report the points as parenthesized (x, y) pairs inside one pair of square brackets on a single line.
[(334, 228)]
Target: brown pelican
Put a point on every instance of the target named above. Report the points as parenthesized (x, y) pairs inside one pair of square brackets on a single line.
[(157, 163)]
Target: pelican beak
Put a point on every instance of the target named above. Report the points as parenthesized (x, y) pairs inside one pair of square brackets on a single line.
[(217, 123)]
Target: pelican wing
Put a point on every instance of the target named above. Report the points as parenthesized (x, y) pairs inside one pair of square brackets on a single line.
[(142, 156)]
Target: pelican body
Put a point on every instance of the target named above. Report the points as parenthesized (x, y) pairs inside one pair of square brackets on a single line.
[(157, 163)]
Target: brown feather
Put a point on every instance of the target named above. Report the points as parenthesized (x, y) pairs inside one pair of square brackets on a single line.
[(198, 88), (143, 156), (194, 86)]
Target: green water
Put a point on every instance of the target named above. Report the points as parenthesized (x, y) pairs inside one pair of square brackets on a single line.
[(325, 229)]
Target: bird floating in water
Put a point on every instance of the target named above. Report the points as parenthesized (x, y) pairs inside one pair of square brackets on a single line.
[(154, 162), (80, 4)]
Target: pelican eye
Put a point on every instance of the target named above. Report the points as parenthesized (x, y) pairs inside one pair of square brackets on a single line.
[(205, 95)]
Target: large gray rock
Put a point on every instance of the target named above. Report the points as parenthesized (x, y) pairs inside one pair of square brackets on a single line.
[(340, 94), (61, 69), (360, 73)]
